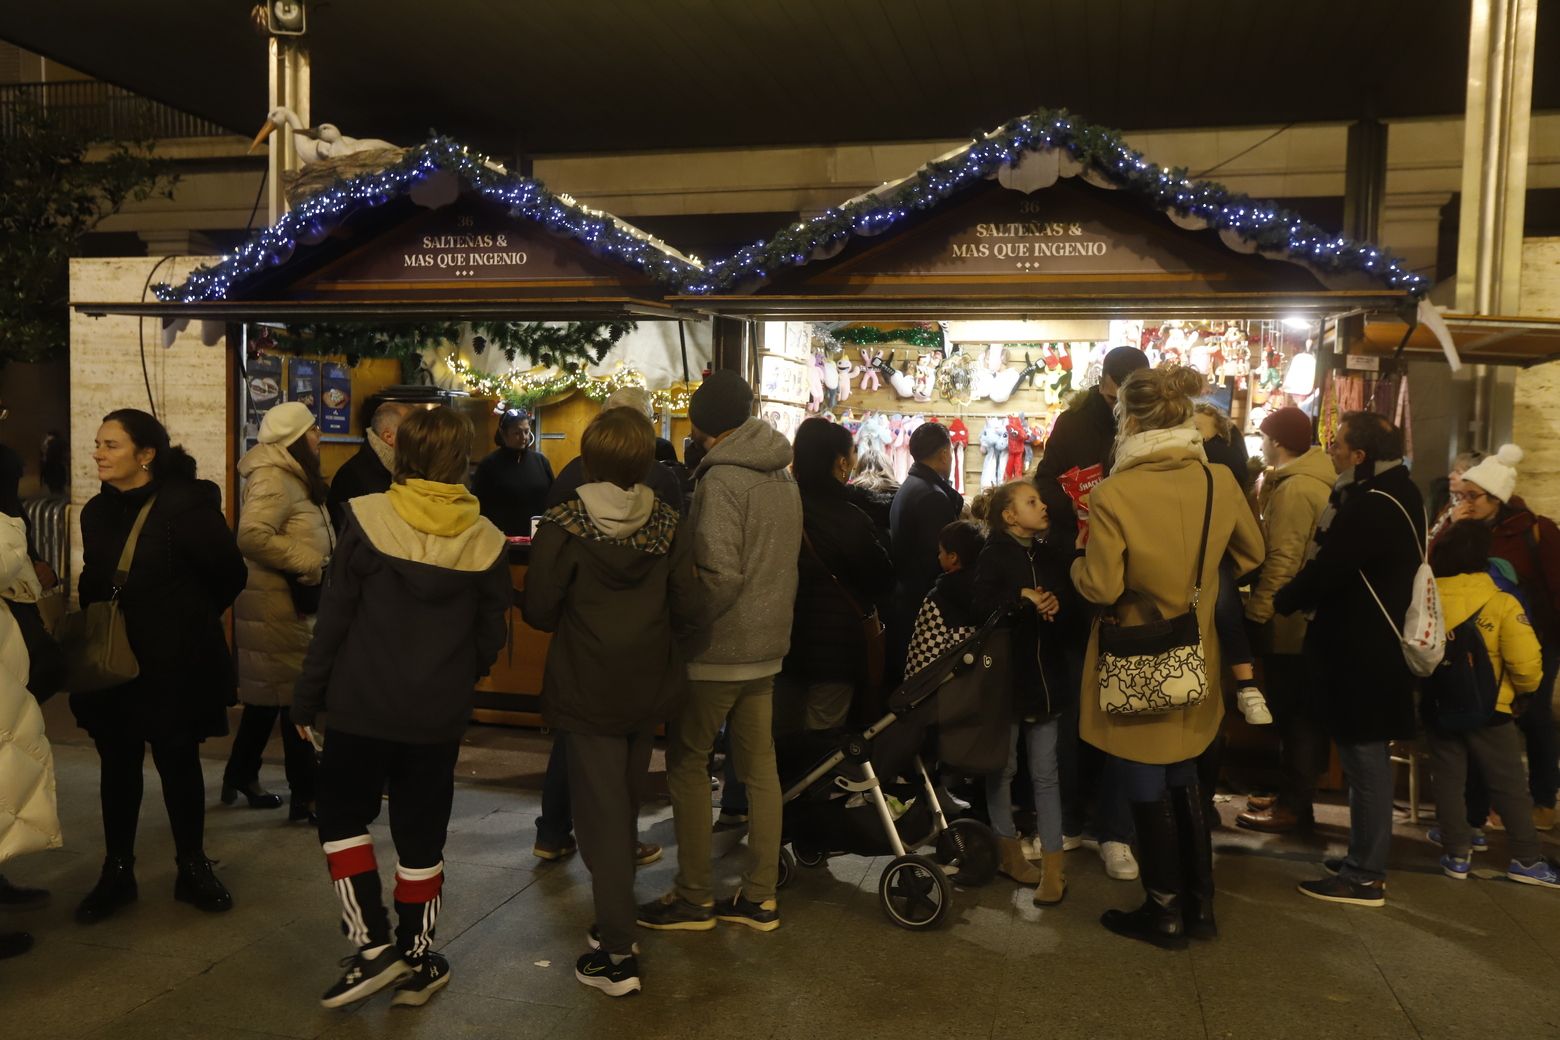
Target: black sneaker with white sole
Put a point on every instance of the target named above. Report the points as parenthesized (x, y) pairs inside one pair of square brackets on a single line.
[(672, 913), (365, 976), (1340, 888), (593, 937), (429, 975), (761, 916), (595, 969)]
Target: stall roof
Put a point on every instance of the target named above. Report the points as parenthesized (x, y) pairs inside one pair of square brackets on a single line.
[(1044, 216), (440, 232), (1480, 339)]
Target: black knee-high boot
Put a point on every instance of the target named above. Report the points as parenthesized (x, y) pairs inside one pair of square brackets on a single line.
[(1196, 862), (1158, 920)]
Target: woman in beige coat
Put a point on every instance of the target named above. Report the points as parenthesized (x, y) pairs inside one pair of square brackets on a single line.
[(1145, 530), (286, 536)]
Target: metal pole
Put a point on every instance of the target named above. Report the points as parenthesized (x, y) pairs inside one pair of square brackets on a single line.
[(288, 86)]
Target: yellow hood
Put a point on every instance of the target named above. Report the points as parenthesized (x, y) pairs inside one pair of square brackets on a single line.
[(1462, 594), (434, 508)]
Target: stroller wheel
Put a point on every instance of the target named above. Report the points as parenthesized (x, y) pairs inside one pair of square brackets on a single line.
[(915, 893), (970, 846), (787, 867), (809, 857)]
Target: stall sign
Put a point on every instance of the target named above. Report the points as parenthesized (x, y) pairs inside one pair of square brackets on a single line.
[(303, 383), (336, 399), (263, 382)]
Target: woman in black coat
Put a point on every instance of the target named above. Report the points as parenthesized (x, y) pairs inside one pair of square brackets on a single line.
[(843, 571), (185, 573), (511, 483)]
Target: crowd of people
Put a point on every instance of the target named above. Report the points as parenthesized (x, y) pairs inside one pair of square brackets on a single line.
[(769, 587)]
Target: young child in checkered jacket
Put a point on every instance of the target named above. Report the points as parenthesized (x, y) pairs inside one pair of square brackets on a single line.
[(947, 616)]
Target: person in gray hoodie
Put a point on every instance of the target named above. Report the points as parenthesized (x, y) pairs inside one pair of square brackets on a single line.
[(747, 525), (612, 577)]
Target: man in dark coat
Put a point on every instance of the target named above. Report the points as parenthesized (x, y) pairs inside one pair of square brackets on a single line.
[(367, 472), (1368, 545), (924, 504)]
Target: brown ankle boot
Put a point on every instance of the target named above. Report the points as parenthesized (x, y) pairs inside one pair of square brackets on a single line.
[(1053, 880), (1013, 863)]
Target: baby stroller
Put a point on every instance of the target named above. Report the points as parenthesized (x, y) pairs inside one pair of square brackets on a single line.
[(870, 794)]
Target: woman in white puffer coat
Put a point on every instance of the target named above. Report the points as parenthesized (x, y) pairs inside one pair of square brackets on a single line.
[(286, 537), (29, 819)]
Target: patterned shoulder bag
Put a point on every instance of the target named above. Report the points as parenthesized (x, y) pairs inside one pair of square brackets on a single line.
[(1157, 667)]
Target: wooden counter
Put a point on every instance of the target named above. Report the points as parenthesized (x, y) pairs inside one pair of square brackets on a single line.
[(511, 694)]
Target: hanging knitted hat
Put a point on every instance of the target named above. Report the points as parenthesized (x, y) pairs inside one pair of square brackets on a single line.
[(1497, 474)]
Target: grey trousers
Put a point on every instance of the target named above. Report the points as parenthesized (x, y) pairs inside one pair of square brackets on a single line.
[(606, 776), (1498, 752)]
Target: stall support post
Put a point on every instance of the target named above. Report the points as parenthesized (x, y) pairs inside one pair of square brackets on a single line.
[(1365, 179), (735, 346), (288, 67), (1494, 182)]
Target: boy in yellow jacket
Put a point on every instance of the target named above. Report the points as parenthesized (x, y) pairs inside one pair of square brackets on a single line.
[(1460, 559)]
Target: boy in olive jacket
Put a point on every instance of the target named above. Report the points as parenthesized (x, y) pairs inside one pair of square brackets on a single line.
[(612, 576)]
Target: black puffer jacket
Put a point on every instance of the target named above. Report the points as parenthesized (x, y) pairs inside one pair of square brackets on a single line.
[(187, 570), (923, 506), (1041, 687), (826, 637), (362, 474), (1352, 652)]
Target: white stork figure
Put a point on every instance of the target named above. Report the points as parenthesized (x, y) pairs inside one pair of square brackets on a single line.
[(318, 143)]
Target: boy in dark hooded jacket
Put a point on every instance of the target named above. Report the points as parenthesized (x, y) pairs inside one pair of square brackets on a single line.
[(612, 577), (411, 617)]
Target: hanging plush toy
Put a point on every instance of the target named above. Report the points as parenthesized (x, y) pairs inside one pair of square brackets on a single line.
[(869, 370), (901, 383), (831, 381), (1007, 381), (1017, 438), (926, 374), (847, 372), (815, 383)]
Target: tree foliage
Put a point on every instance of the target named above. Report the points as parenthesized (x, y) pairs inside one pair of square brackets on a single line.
[(52, 194)]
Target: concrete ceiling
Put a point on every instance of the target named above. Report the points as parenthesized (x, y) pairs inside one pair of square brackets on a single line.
[(528, 76)]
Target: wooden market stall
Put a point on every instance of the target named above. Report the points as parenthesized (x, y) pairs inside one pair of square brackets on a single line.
[(438, 238)]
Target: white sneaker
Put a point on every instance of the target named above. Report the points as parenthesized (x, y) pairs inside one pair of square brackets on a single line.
[(1253, 705), (1119, 863), (1071, 841), (1032, 848)]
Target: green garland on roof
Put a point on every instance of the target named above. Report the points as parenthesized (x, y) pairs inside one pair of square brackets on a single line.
[(581, 342), (927, 337)]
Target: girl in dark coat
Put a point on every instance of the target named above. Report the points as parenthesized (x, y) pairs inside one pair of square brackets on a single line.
[(1017, 570), (186, 571)]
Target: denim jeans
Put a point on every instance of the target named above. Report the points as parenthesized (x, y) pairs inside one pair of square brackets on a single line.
[(1088, 781), (1141, 782), (1368, 769), (1045, 776), (557, 820)]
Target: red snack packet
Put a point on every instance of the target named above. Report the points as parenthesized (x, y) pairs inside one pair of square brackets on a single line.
[(1078, 483)]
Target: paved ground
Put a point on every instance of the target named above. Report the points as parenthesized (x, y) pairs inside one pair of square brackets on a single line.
[(1446, 959)]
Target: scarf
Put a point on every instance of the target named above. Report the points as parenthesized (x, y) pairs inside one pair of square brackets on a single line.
[(382, 451), (1344, 488), (1135, 448), (434, 508)]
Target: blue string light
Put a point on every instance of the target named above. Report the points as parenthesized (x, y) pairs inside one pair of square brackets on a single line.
[(1274, 231)]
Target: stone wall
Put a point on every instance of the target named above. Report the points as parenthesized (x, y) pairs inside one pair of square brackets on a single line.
[(189, 381), (1536, 419)]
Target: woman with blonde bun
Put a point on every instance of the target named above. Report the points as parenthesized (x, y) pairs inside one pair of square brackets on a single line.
[(1146, 522)]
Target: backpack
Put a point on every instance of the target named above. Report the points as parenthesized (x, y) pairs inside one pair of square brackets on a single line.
[(1422, 636), (1460, 695)]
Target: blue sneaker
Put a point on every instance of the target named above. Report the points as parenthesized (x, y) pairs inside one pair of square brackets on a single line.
[(1480, 843), (1456, 867), (1542, 873)]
